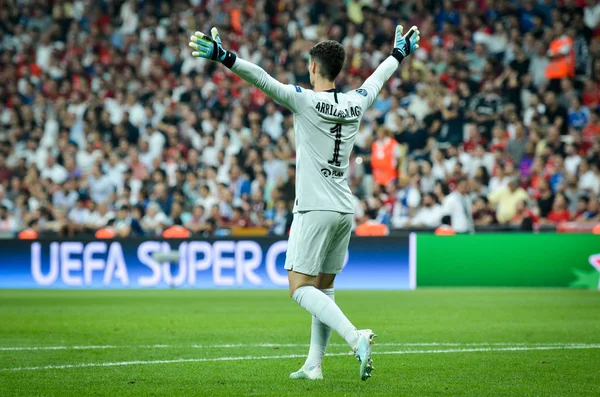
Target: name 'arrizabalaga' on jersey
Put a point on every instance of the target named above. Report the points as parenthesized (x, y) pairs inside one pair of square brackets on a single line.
[(328, 109)]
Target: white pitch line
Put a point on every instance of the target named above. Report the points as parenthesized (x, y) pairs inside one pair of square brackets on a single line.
[(270, 345), (247, 358)]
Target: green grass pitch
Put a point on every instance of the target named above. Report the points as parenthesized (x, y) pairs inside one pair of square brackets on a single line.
[(472, 342)]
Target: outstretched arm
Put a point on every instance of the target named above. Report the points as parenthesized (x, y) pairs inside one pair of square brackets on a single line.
[(211, 48), (403, 46), (375, 81), (285, 94)]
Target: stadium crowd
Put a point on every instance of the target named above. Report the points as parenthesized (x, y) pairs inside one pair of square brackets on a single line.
[(107, 120)]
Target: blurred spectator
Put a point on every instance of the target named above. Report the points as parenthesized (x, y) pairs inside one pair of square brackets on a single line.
[(99, 217), (483, 215), (559, 212), (53, 171), (415, 137), (385, 155), (545, 198), (555, 113), (515, 148), (279, 219), (407, 199), (524, 217), (7, 222), (430, 214), (457, 206), (155, 220), (485, 109), (592, 211), (590, 177), (78, 218), (506, 199)]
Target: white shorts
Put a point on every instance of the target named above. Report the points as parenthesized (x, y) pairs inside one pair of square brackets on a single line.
[(318, 242)]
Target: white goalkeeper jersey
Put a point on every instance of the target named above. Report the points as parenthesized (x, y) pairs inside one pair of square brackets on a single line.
[(325, 126)]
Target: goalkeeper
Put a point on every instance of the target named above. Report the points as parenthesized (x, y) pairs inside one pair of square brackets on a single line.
[(325, 125)]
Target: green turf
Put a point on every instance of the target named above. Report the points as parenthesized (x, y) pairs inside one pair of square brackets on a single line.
[(133, 320)]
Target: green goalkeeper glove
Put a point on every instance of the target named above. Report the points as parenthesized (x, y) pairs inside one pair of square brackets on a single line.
[(407, 44), (211, 48)]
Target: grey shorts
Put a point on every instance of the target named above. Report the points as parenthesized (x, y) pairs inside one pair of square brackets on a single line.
[(318, 242)]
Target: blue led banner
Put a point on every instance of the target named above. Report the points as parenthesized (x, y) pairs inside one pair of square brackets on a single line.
[(372, 263)]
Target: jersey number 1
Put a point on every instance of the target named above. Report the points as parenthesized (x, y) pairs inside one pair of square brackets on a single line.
[(337, 131)]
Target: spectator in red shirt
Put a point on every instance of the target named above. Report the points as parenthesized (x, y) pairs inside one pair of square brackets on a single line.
[(590, 96), (559, 212), (523, 213)]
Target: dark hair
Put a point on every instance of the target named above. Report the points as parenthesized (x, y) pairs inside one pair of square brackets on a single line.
[(485, 176), (444, 187), (461, 180), (527, 225), (330, 56), (432, 196), (447, 220)]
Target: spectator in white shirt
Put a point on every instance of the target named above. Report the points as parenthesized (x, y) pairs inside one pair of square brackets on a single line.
[(430, 214), (87, 158), (353, 38), (427, 181), (65, 197), (572, 160), (589, 179), (156, 141), (453, 157), (457, 206), (500, 180), (205, 199), (78, 217), (407, 200), (54, 171), (43, 53), (129, 17), (438, 169), (8, 223), (114, 171), (273, 123), (99, 217), (480, 158), (122, 221), (155, 220), (274, 168), (419, 105), (210, 153), (100, 186), (591, 14), (145, 154)]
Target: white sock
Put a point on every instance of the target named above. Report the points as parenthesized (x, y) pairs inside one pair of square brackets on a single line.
[(325, 309), (319, 337)]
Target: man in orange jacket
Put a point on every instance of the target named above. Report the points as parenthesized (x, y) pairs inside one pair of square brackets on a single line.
[(385, 153), (562, 55)]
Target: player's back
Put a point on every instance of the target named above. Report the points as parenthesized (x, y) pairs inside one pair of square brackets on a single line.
[(325, 132)]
